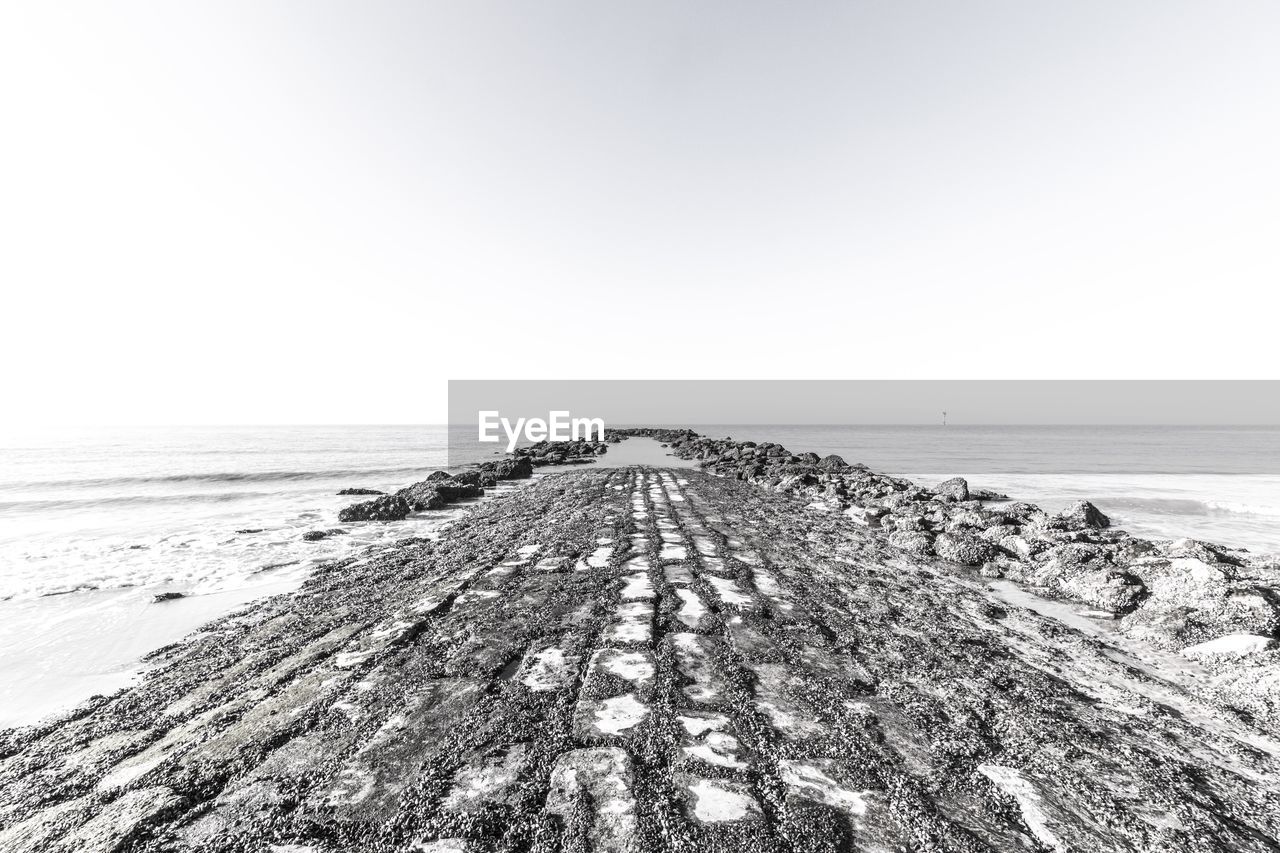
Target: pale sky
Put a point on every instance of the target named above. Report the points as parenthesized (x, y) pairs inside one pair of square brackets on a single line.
[(258, 212)]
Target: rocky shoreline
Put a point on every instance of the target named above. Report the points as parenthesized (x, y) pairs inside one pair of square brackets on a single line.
[(436, 492), (1175, 593), (747, 658)]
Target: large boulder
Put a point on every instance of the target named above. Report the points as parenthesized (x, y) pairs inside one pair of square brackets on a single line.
[(832, 463), (1193, 600), (1020, 512), (1081, 515), (513, 469), (957, 489), (452, 490), (423, 495), (386, 508), (361, 492)]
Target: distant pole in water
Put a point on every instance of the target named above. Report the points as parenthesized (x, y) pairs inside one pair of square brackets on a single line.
[(944, 418)]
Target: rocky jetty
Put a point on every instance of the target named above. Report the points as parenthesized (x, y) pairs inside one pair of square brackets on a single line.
[(1174, 594), (562, 452), (520, 468), (354, 492), (640, 659), (436, 492)]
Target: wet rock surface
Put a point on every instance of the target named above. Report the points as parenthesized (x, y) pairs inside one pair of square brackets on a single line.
[(318, 535), (641, 659)]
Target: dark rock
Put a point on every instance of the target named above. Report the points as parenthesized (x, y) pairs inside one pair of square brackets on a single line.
[(561, 452), (423, 495), (986, 495), (251, 530), (437, 475), (167, 596), (387, 508), (1078, 516), (361, 492), (452, 490), (269, 567), (315, 535), (832, 463), (469, 478), (513, 469)]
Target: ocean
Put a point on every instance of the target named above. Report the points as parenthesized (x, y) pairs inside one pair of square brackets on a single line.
[(94, 523), (1215, 483), (167, 508)]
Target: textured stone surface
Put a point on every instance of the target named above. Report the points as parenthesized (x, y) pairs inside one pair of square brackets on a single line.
[(792, 682)]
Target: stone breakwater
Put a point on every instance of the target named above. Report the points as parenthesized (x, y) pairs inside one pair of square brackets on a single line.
[(564, 452), (441, 488), (640, 659), (1175, 594), (436, 492)]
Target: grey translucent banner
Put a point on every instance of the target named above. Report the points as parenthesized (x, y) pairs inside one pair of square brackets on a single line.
[(1039, 428)]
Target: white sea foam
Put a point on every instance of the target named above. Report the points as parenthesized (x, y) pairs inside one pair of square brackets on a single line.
[(199, 510)]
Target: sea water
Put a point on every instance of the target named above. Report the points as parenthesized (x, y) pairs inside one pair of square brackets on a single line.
[(1219, 484)]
